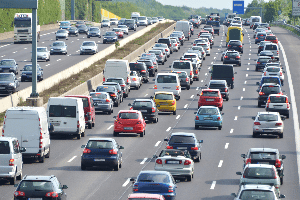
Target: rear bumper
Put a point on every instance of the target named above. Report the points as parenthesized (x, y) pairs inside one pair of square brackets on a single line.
[(100, 108), (208, 123), (219, 105), (108, 162), (135, 129), (64, 132), (281, 111)]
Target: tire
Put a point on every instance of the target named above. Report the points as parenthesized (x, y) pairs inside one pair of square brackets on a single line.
[(197, 79), (79, 136), (174, 112), (20, 176), (89, 126), (258, 104), (288, 115), (42, 159), (116, 168), (48, 154), (117, 104), (256, 69), (220, 108), (116, 133), (232, 86), (227, 98), (281, 180), (254, 135), (155, 120), (12, 181), (240, 64), (93, 124), (281, 135), (142, 134), (189, 178), (83, 167), (220, 128), (82, 134), (22, 80), (188, 88), (197, 159)]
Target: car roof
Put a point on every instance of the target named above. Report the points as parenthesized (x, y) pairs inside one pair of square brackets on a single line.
[(155, 172), (275, 95), (211, 90), (7, 138), (38, 177), (163, 92), (217, 81), (258, 187), (183, 133), (99, 93), (108, 139), (143, 100), (263, 150), (270, 84), (111, 83), (267, 113), (260, 166), (8, 59), (129, 111)]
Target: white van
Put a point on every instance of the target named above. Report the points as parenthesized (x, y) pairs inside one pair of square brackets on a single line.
[(66, 115), (273, 48), (254, 19), (11, 163), (183, 65), (184, 27), (30, 126), (168, 82), (117, 68)]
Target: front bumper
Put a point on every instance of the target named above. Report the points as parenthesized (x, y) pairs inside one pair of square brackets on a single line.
[(88, 51)]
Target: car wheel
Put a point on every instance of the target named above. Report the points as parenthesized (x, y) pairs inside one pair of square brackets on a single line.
[(83, 134), (189, 178), (196, 126), (116, 104), (83, 167), (197, 79), (188, 87), (240, 64), (197, 159), (22, 80), (281, 180), (174, 112), (163, 63), (137, 87), (20, 177), (254, 135), (155, 120), (142, 134), (79, 136), (259, 104), (256, 68), (220, 127), (116, 168), (89, 126), (281, 135), (227, 98), (48, 154), (12, 180), (221, 108), (42, 159)]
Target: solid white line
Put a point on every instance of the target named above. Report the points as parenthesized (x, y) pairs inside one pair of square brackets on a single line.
[(243, 89), (226, 145), (213, 185), (231, 130), (239, 107), (246, 75), (110, 127), (72, 159), (235, 117), (294, 108), (220, 163), (250, 46), (185, 106), (241, 98), (168, 129), (192, 96), (126, 182), (143, 162), (177, 116), (157, 143)]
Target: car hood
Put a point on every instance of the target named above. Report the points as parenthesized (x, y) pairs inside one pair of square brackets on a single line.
[(94, 32), (58, 47), (5, 82), (61, 34), (88, 47), (41, 53)]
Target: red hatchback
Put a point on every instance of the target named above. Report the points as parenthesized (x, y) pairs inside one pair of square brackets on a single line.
[(272, 38), (129, 121), (210, 97)]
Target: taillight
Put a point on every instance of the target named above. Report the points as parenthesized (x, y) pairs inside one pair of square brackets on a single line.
[(151, 67), (226, 89), (278, 124), (159, 161), (161, 56), (19, 194), (133, 79), (191, 73), (177, 87), (176, 44), (113, 95), (169, 147), (248, 161), (261, 93), (225, 56), (187, 79), (167, 50), (155, 87), (11, 162), (153, 109), (78, 124), (194, 44), (51, 194), (194, 148), (127, 80), (240, 46), (258, 63), (144, 71), (107, 100), (170, 189), (169, 45), (103, 79), (256, 123), (280, 73), (85, 150), (187, 162), (122, 85), (277, 163), (238, 57), (196, 71), (256, 38), (219, 119), (229, 45), (197, 118), (139, 122), (135, 189), (113, 152), (265, 73)]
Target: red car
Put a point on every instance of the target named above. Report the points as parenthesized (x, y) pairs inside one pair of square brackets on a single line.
[(272, 38), (89, 109), (119, 32), (145, 196), (129, 121), (210, 97)]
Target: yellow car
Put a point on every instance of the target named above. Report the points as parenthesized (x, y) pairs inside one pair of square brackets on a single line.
[(165, 102), (234, 33)]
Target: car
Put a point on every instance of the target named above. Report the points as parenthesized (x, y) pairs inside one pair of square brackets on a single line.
[(136, 80), (206, 47), (165, 101), (274, 48), (164, 46), (144, 196), (151, 67), (210, 97), (185, 141), (261, 45), (27, 73), (121, 21), (150, 22), (210, 38), (142, 21), (270, 123), (267, 89), (129, 121), (236, 45), (78, 23), (112, 91), (125, 86), (274, 71), (113, 21), (119, 32), (184, 79), (161, 58), (102, 102), (259, 30), (9, 65), (73, 31), (260, 36), (200, 48), (253, 191), (265, 156), (178, 162), (161, 18), (232, 57), (272, 38), (208, 116), (196, 56), (131, 24), (101, 152), (42, 53), (119, 89), (110, 37), (105, 23), (59, 47), (8, 83), (268, 79), (266, 53), (82, 29), (155, 182), (260, 174), (166, 41), (174, 45), (201, 40), (261, 62), (141, 68), (147, 108), (221, 85), (179, 36), (149, 56), (40, 187), (62, 34), (123, 28), (155, 20), (94, 32), (278, 103), (88, 47)]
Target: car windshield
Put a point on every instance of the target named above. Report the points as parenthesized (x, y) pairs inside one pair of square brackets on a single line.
[(257, 195), (263, 155), (7, 62), (55, 44), (27, 68), (117, 30), (88, 44), (271, 89), (99, 144), (126, 115), (155, 52), (41, 50), (164, 96), (4, 147), (234, 43), (273, 69), (155, 177), (271, 38), (171, 153), (98, 96), (65, 24), (190, 56), (142, 18), (94, 29), (62, 111), (207, 111), (105, 20), (166, 79), (105, 89), (210, 93), (271, 80), (133, 73), (161, 45), (258, 172), (113, 19), (6, 77), (35, 186), (110, 34), (62, 31), (182, 65), (120, 81), (72, 28), (267, 117), (142, 104), (278, 99), (129, 21), (271, 47), (232, 53), (82, 26), (200, 41)]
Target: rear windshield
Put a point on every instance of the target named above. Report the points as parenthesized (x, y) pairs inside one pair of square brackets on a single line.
[(271, 47), (232, 53), (7, 62), (99, 144), (190, 56), (210, 93), (157, 178), (263, 156), (263, 60), (257, 194), (35, 186), (62, 111), (105, 89), (181, 65), (142, 18), (278, 99), (129, 21), (261, 173), (166, 79), (156, 52), (4, 147), (273, 69), (120, 81), (208, 111), (181, 139), (235, 43), (85, 102), (271, 80), (267, 117), (172, 153), (98, 96), (164, 96), (136, 66), (128, 115), (270, 89), (181, 75), (142, 104), (216, 86), (166, 41), (271, 38), (255, 19)]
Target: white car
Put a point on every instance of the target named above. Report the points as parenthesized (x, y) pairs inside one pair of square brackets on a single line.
[(162, 45), (274, 71), (136, 80), (88, 47), (124, 28), (200, 48), (206, 47), (178, 162), (278, 103), (42, 53), (105, 23), (114, 21)]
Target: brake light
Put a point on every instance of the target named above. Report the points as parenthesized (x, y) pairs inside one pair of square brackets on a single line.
[(176, 44), (11, 162), (122, 85), (261, 93), (194, 148), (161, 56), (194, 44), (258, 63), (113, 95), (151, 67), (226, 89), (107, 100), (278, 124), (169, 45), (197, 117), (177, 87), (135, 189), (265, 73), (248, 161), (187, 79), (219, 119), (277, 163), (19, 194), (155, 87), (51, 194), (133, 79), (144, 71), (240, 46), (167, 50), (127, 81), (229, 45), (169, 147), (78, 124), (170, 189), (187, 162), (257, 123), (113, 151), (256, 38), (159, 161), (238, 57), (85, 150)]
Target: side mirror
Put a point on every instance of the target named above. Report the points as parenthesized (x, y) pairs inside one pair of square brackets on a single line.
[(200, 141), (170, 66), (166, 139), (155, 156), (132, 179), (235, 72), (151, 97), (115, 117), (51, 128), (253, 118), (243, 155), (23, 149), (257, 83), (283, 157), (233, 194), (238, 173), (64, 187), (121, 147), (129, 104), (83, 146)]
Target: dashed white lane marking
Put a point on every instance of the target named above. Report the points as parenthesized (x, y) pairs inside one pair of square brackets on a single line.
[(25, 60), (231, 130), (208, 68), (217, 53), (168, 129), (48, 65), (213, 185), (250, 49), (146, 95), (250, 46), (197, 88), (218, 49), (25, 48), (205, 74), (2, 56), (15, 51), (212, 63), (110, 127), (69, 54), (226, 145), (241, 98), (157, 143), (185, 106), (143, 162), (239, 107), (201, 81), (126, 182), (58, 60), (236, 117), (77, 50), (72, 159), (220, 163), (248, 64), (192, 96), (249, 54), (177, 116), (246, 75), (249, 58), (215, 58), (245, 82), (243, 89), (43, 42)]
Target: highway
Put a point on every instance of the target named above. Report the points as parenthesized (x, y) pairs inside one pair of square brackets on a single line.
[(214, 176)]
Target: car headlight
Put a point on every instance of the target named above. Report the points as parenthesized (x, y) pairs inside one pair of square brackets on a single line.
[(104, 38), (11, 84), (23, 73), (51, 49)]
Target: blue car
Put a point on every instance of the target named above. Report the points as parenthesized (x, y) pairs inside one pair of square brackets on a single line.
[(156, 182), (208, 116), (110, 37), (186, 141), (27, 73), (101, 152), (269, 79)]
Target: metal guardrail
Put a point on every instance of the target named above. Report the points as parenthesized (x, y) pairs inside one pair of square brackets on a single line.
[(297, 27)]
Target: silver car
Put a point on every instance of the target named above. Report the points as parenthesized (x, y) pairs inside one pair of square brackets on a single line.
[(102, 102), (274, 71), (278, 103), (88, 47), (268, 123), (105, 23), (58, 47), (200, 48), (206, 47), (165, 46), (42, 53), (124, 28), (62, 34), (136, 80), (174, 45)]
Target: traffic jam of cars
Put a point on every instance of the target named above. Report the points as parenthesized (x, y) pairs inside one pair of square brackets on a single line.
[(263, 168)]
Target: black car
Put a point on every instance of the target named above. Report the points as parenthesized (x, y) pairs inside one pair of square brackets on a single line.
[(221, 85), (112, 91), (140, 67), (110, 37), (27, 73), (40, 187), (265, 90), (73, 31), (131, 24), (261, 62), (79, 23), (185, 80), (266, 156), (119, 89), (147, 108), (260, 36), (82, 29), (232, 57), (9, 65), (101, 152), (125, 87), (150, 66), (8, 83), (236, 45)]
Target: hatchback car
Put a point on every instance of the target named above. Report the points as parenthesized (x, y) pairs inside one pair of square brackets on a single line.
[(269, 123), (278, 103), (110, 37), (82, 29), (267, 53), (88, 47), (136, 80), (184, 79), (260, 36), (274, 71), (62, 34), (161, 58), (221, 85), (164, 46), (232, 57), (265, 90), (9, 65), (208, 116), (42, 53), (129, 121), (118, 87), (125, 87), (123, 28), (261, 46), (147, 108), (112, 91), (73, 31), (268, 79), (165, 102), (141, 68), (236, 45), (200, 48), (40, 187), (261, 62), (101, 152), (151, 67), (94, 32), (206, 47), (27, 73), (102, 102), (186, 141), (59, 47), (210, 97), (8, 83), (272, 38)]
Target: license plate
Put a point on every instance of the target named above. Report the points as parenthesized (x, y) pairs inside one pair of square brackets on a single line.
[(99, 159), (267, 130), (209, 99), (232, 59), (164, 104), (35, 198), (263, 163), (208, 118), (172, 161), (166, 87), (143, 110), (2, 88), (181, 147), (128, 128)]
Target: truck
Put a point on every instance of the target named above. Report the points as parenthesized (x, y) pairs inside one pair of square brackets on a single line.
[(214, 20), (234, 33), (223, 72), (23, 28)]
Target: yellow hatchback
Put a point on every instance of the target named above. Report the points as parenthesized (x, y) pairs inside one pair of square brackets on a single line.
[(165, 102)]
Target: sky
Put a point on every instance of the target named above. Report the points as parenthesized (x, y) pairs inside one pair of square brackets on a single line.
[(220, 4)]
